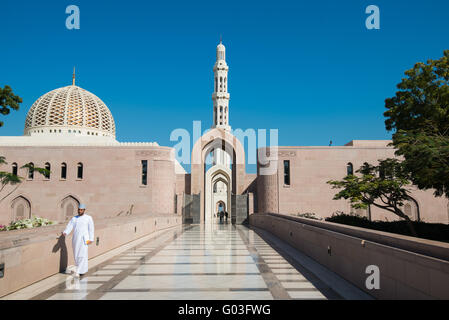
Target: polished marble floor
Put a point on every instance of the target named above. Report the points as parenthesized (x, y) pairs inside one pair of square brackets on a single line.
[(197, 262)]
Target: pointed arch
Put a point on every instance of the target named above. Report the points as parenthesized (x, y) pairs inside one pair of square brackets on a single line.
[(411, 209), (20, 208), (69, 207)]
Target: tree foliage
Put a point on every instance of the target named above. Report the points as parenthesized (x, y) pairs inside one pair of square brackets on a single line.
[(8, 101), (383, 186), (419, 116)]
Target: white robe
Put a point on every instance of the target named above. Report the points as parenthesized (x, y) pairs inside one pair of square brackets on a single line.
[(83, 230)]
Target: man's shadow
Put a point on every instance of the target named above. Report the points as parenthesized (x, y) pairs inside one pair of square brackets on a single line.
[(63, 258)]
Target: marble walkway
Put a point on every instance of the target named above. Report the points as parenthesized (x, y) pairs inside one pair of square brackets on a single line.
[(211, 262)]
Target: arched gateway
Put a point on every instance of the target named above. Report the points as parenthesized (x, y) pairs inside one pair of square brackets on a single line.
[(228, 167), (224, 181)]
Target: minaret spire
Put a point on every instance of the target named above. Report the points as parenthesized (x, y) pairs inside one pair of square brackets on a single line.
[(73, 77), (220, 97)]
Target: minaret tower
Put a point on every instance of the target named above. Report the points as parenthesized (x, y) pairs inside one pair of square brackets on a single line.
[(220, 97)]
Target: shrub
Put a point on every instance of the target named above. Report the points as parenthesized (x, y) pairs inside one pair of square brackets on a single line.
[(431, 231), (34, 222)]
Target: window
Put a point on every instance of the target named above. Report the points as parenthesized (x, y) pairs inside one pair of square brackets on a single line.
[(349, 169), (47, 167), (176, 203), (63, 170), (287, 172), (79, 174), (144, 172), (31, 171), (14, 169)]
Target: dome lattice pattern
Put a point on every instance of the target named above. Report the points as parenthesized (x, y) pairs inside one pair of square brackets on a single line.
[(69, 107)]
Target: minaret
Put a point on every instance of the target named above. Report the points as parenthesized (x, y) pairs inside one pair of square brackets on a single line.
[(220, 97)]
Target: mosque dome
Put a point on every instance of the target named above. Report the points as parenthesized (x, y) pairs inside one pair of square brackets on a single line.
[(70, 110)]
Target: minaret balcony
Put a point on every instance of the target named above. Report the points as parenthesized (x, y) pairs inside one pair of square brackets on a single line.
[(220, 95)]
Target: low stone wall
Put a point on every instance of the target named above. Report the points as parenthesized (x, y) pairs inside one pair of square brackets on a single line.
[(406, 271), (34, 254)]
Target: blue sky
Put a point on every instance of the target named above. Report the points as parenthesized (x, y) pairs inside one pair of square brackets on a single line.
[(308, 68)]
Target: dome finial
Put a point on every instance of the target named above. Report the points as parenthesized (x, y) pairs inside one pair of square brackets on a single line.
[(73, 77), (221, 38)]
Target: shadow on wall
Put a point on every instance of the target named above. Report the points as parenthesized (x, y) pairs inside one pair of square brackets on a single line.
[(63, 258)]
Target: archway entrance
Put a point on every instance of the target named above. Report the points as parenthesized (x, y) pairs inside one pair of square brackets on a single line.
[(218, 161), (217, 192)]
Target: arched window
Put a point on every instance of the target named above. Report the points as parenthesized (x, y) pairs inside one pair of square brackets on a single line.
[(349, 169), (31, 171), (411, 209), (79, 173), (69, 208), (216, 84), (221, 84), (63, 171), (14, 169), (408, 209), (20, 208), (47, 167)]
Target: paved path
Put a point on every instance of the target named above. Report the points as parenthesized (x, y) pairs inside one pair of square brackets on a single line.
[(195, 262)]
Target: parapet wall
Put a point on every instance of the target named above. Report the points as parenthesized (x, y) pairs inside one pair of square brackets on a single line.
[(406, 272), (32, 255)]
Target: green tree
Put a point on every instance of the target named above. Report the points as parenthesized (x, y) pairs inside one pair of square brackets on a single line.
[(383, 186), (8, 101), (419, 116)]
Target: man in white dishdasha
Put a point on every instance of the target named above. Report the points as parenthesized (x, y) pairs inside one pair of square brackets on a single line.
[(83, 235)]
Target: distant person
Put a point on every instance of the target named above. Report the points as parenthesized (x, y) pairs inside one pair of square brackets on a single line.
[(226, 215), (83, 235), (221, 216)]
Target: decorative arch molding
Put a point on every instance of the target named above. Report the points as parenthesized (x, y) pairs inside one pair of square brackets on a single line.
[(20, 208), (68, 207)]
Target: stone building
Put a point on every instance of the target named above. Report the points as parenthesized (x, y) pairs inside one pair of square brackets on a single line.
[(71, 132)]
